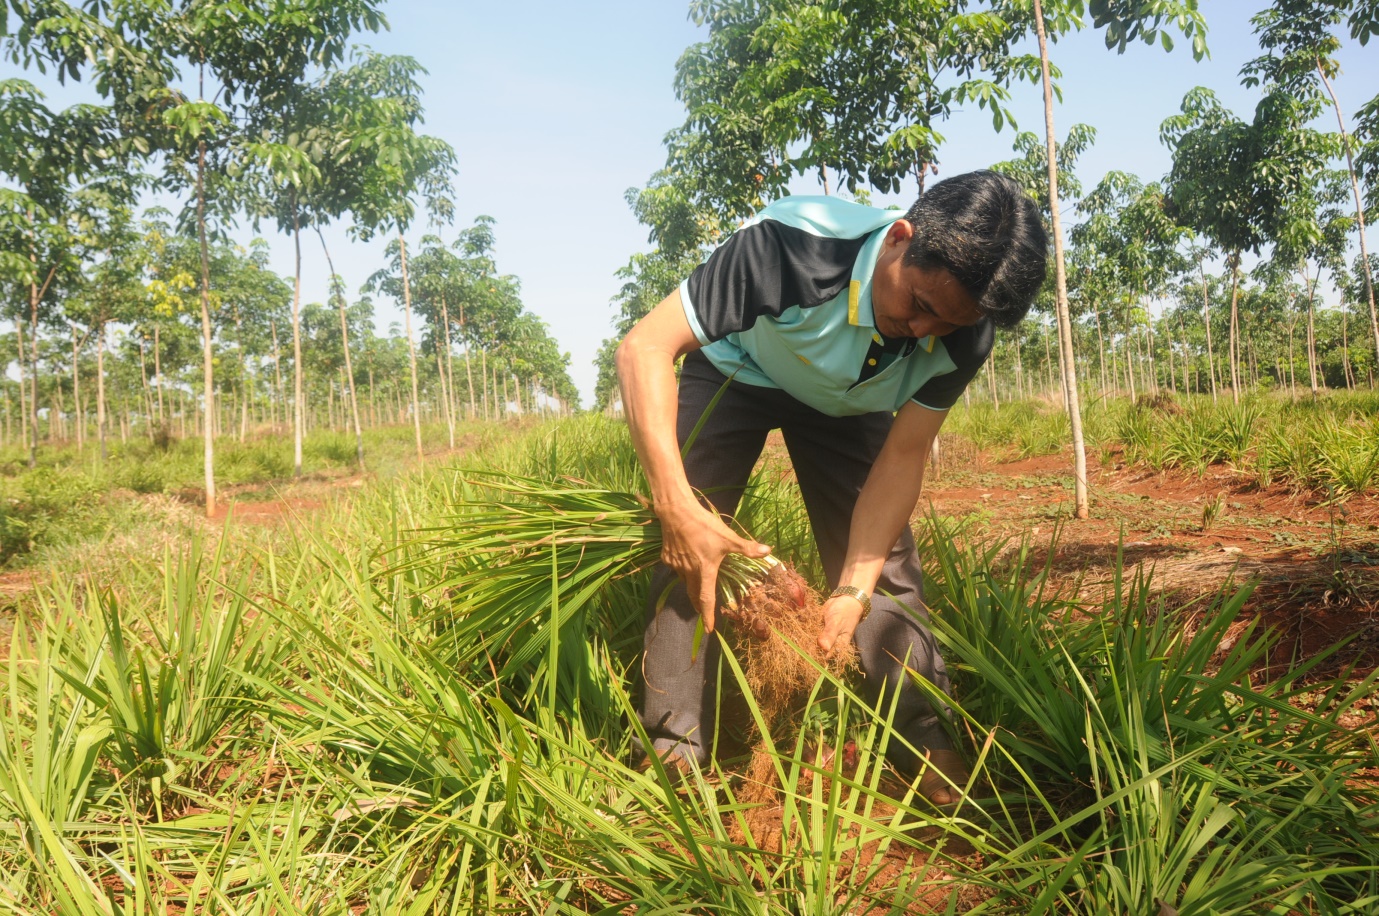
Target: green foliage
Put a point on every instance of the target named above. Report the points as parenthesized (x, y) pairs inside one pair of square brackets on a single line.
[(1329, 446), (335, 726)]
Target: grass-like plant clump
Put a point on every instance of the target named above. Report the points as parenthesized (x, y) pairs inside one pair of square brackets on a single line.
[(72, 498), (420, 701), (1329, 445)]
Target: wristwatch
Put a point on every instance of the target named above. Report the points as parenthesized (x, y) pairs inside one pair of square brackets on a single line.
[(853, 591)]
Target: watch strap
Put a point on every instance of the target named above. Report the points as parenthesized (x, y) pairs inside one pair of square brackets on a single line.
[(853, 591)]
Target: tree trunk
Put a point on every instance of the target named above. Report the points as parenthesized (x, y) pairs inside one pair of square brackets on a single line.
[(1234, 261), (1292, 379), (1131, 346), (1101, 350), (1206, 320), (1048, 361), (349, 366), (445, 398), (1359, 210), (1312, 345), (449, 365), (158, 373), (278, 371), (1152, 366), (207, 357), (1182, 335), (33, 371), (1065, 333), (991, 379), (1172, 372), (146, 391), (411, 344), (100, 393), (483, 374), (445, 388), (1345, 351), (23, 391), (298, 427), (76, 393), (468, 364)]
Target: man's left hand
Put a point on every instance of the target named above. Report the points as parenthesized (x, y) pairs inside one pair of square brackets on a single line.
[(841, 616)]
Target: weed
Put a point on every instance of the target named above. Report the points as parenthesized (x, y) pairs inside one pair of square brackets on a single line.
[(1211, 510)]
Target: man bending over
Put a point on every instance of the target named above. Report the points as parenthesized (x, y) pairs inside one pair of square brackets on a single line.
[(853, 330)]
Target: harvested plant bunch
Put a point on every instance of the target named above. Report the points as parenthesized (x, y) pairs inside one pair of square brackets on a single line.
[(526, 552), (778, 613)]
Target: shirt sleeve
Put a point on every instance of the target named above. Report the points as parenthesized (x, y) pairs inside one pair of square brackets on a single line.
[(761, 271), (968, 348)]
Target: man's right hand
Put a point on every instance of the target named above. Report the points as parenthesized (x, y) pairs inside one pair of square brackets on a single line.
[(694, 542)]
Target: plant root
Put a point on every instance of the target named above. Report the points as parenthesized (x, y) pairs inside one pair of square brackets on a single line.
[(780, 610)]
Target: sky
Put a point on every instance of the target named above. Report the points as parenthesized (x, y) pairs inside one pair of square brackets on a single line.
[(555, 110)]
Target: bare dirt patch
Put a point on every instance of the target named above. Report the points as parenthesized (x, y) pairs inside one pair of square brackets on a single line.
[(1313, 564)]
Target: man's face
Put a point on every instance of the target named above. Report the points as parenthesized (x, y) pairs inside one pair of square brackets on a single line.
[(910, 301)]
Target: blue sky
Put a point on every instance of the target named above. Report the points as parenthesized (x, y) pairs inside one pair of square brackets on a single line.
[(556, 109)]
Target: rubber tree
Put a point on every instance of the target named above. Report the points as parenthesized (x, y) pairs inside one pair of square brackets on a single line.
[(851, 93), (50, 155), (1311, 235), (792, 87), (300, 136), (288, 174), (1233, 182), (238, 54), (1137, 245), (1122, 22), (1300, 41), (396, 166), (437, 281), (475, 245), (113, 290)]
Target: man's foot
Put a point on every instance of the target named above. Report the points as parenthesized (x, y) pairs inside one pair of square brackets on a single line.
[(822, 754), (942, 778), (676, 764)]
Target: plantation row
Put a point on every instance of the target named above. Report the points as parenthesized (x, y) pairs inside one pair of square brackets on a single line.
[(289, 124), (418, 702), (71, 501), (1329, 446)]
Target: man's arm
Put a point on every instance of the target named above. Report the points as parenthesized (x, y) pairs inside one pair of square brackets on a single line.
[(883, 509), (695, 539)]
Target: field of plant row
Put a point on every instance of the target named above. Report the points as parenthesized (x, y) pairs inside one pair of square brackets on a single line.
[(418, 700), (71, 498), (1329, 445)]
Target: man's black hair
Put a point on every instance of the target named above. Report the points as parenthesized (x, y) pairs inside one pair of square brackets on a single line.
[(985, 230)]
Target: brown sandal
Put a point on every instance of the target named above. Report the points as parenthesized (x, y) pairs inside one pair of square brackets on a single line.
[(943, 770)]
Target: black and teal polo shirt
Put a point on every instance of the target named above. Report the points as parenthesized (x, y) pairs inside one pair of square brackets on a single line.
[(785, 303)]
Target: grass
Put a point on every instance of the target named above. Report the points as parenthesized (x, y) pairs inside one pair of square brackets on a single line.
[(404, 705), (1330, 446), (72, 499)]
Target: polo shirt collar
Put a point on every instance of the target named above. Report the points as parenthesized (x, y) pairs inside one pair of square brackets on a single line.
[(860, 312)]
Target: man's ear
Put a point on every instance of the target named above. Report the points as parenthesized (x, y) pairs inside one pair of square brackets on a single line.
[(900, 233)]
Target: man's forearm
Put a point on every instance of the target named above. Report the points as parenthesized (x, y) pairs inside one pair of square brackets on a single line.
[(889, 496), (646, 380), (883, 510)]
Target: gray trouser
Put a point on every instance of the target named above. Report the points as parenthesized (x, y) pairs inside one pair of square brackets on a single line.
[(832, 457)]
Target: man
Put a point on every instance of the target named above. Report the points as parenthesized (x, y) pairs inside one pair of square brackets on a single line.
[(853, 330)]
